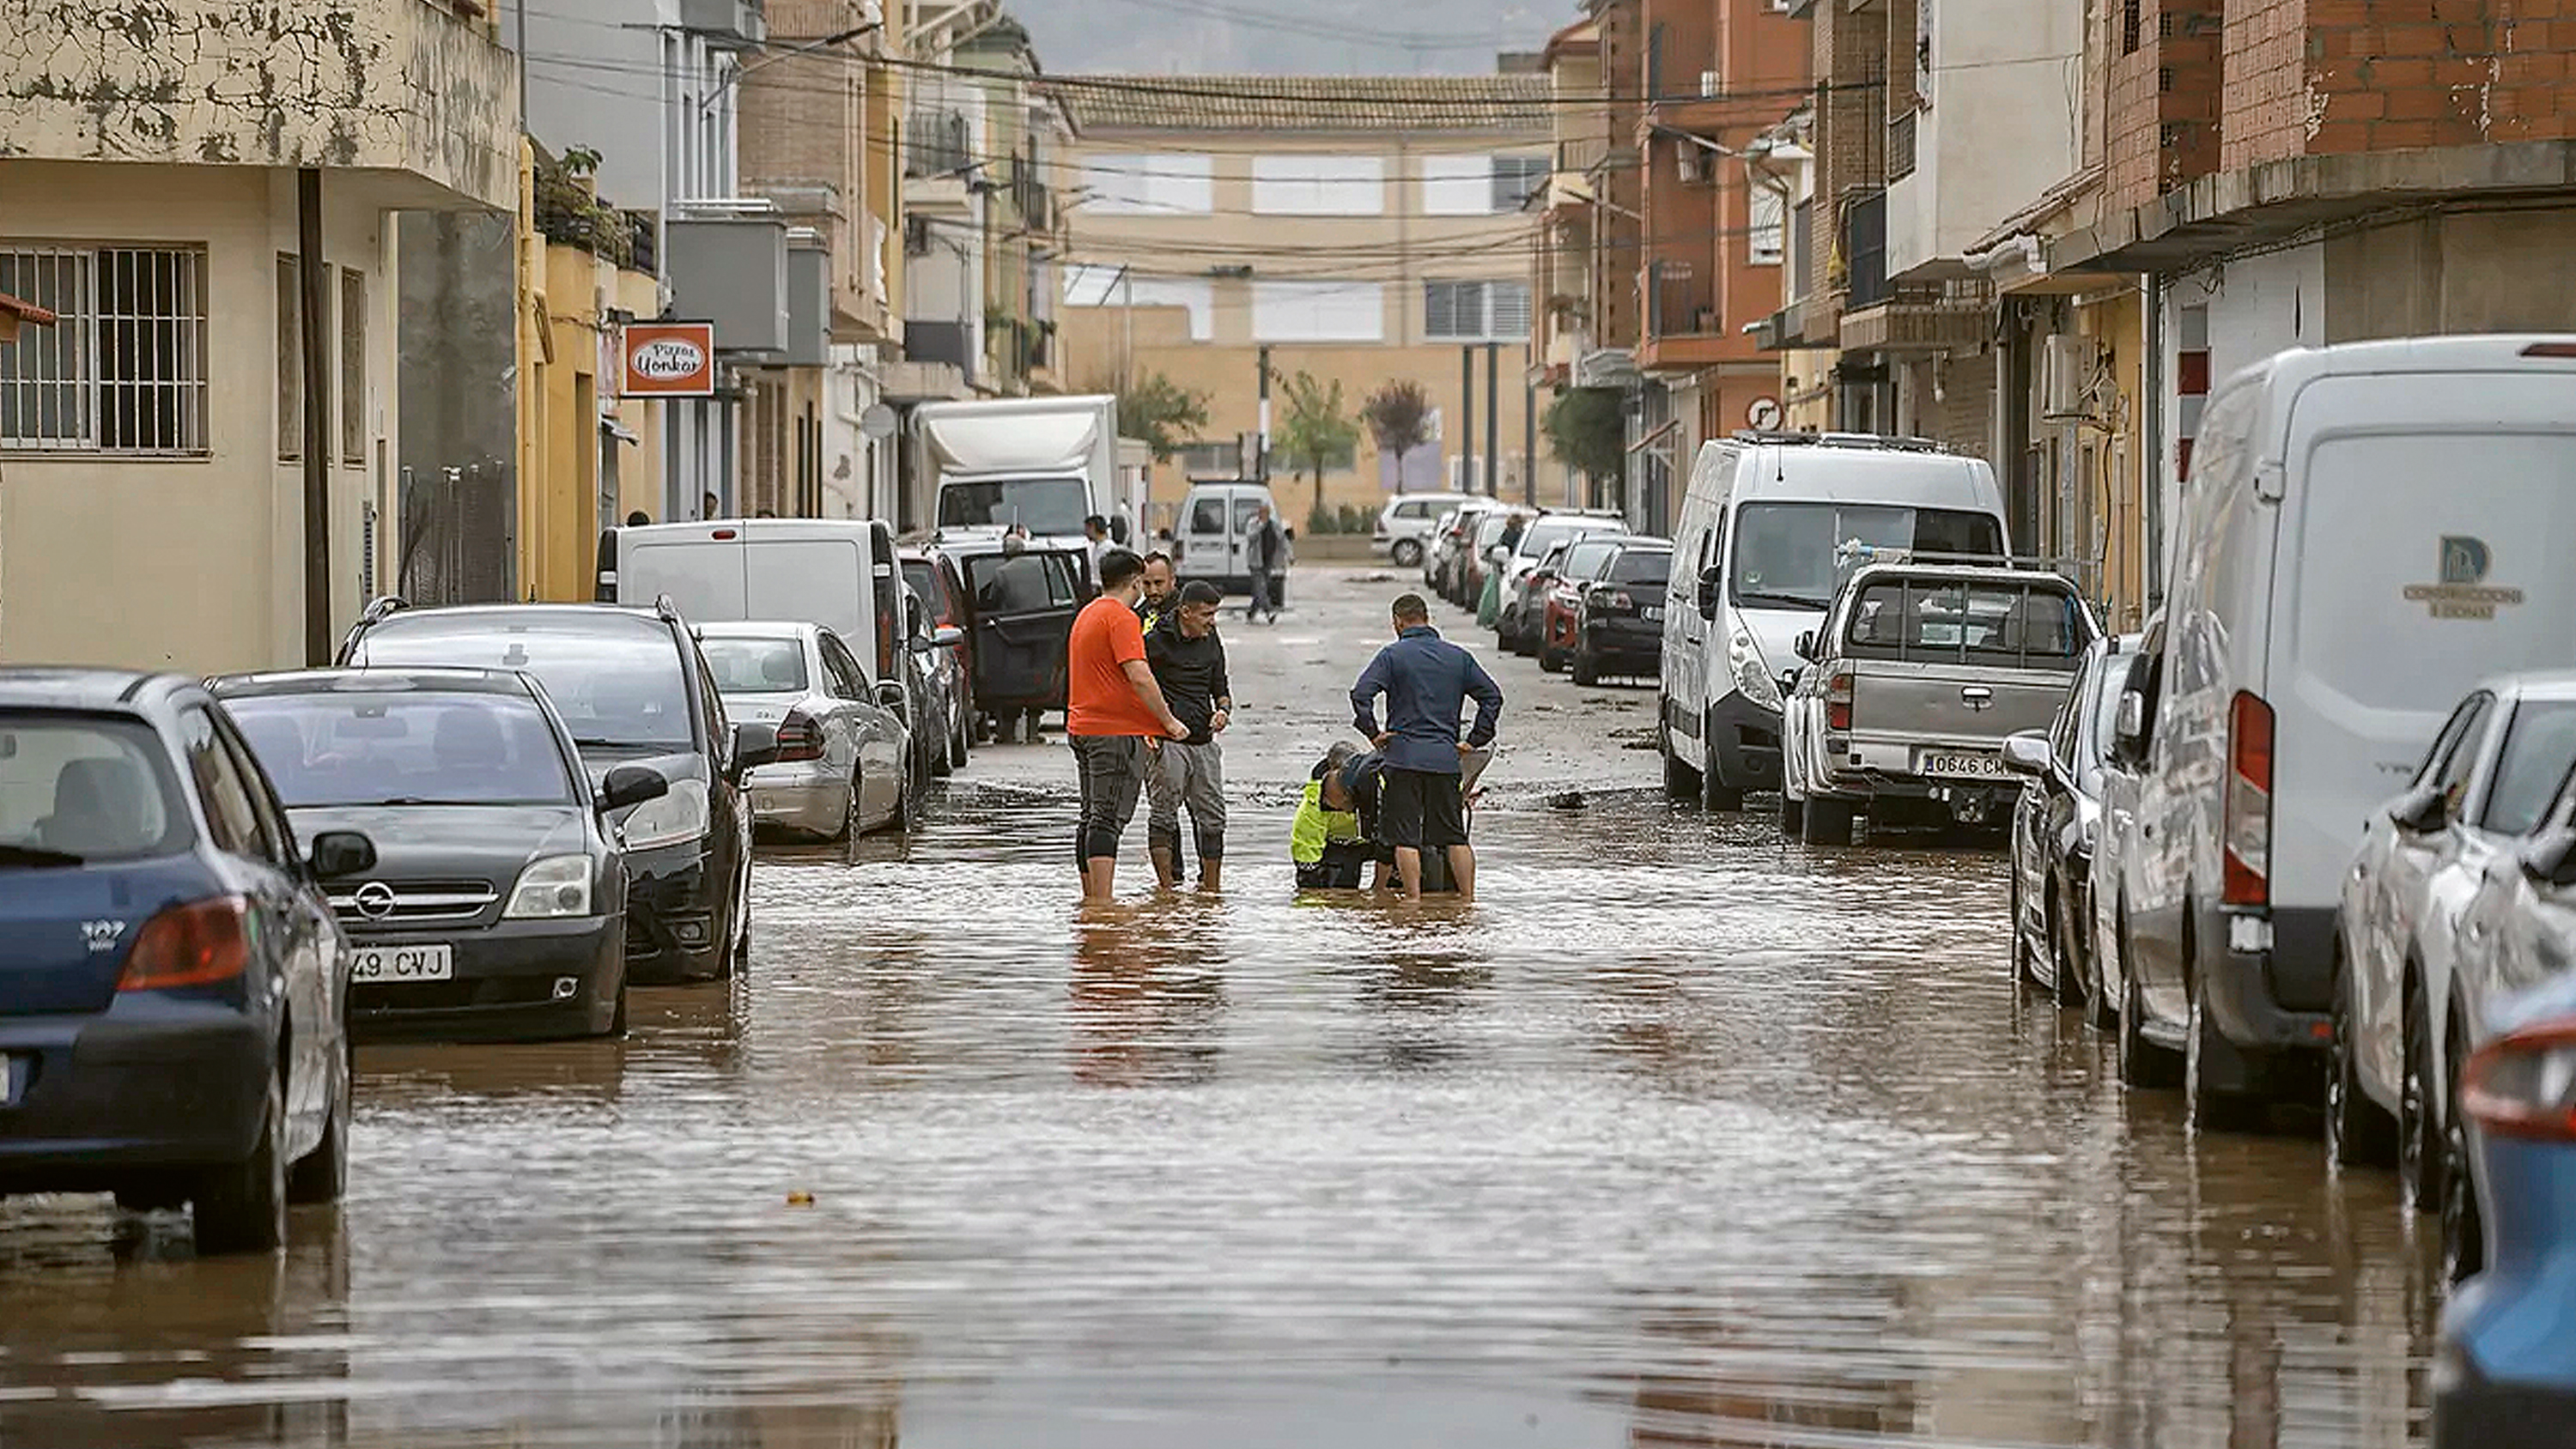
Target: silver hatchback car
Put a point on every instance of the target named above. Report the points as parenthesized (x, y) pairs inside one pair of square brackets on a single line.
[(843, 758)]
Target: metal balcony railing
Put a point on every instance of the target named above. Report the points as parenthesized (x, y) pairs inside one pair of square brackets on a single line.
[(936, 144), (1865, 250), (1900, 145), (1680, 303)]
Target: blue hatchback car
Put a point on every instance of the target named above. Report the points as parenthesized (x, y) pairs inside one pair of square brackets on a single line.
[(2505, 1373), (173, 996)]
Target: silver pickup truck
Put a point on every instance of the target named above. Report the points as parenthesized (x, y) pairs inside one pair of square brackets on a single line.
[(1903, 697)]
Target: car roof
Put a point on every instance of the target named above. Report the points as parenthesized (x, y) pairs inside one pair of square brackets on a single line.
[(2536, 684), (1960, 573), (760, 629), (40, 686), (524, 614), (396, 677), (1641, 542)]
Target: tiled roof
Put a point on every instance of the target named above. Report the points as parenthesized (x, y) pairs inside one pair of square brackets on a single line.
[(1306, 102)]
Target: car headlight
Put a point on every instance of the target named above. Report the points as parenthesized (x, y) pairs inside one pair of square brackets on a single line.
[(678, 816), (1752, 676), (556, 885)]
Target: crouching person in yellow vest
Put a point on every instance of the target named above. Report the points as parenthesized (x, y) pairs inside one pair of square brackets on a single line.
[(1334, 840)]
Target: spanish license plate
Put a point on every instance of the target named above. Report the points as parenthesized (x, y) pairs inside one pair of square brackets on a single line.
[(1979, 766), (403, 963), (1652, 613)]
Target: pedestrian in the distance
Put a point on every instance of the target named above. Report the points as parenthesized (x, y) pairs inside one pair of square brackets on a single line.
[(1188, 660), (1095, 541), (1426, 681), (1265, 549), (1114, 717), (708, 507), (1158, 590)]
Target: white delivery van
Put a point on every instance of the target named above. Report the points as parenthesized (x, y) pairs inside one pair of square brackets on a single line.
[(2366, 532), (1216, 520), (1754, 566), (1040, 463), (838, 573)]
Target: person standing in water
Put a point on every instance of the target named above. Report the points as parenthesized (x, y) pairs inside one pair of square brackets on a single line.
[(1426, 681), (1188, 660), (1115, 717)]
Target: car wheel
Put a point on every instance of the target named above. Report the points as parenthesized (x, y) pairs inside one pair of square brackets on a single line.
[(2359, 1132), (958, 744), (1681, 782), (1830, 822), (1587, 672), (2211, 1107), (1406, 553), (2025, 971), (2061, 962), (1715, 795), (2142, 1063), (2464, 1245), (1551, 661), (2100, 1009), (241, 1206), (323, 1175), (2419, 1143), (849, 812)]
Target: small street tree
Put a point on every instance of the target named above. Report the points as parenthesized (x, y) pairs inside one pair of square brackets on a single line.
[(1398, 415), (1587, 430), (1317, 430), (1158, 412)]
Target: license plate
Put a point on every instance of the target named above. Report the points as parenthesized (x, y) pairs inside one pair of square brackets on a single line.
[(1983, 766), (1652, 613), (403, 963)]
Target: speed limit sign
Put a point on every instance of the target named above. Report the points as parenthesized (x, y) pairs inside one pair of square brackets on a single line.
[(1762, 414)]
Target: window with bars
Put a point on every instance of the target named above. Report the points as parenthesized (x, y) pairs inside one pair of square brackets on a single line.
[(1475, 311), (353, 366), (290, 358), (123, 370)]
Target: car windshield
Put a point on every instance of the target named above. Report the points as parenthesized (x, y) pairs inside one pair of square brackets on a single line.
[(1785, 552), (1489, 530), (1548, 533), (1053, 506), (773, 664), (81, 788), (2538, 748), (405, 747), (1584, 560), (1642, 566), (922, 577), (617, 681)]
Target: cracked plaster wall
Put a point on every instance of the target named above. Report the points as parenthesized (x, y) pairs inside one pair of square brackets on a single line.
[(392, 86)]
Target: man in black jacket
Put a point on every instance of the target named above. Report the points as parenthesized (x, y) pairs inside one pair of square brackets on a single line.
[(1188, 660), (1265, 548)]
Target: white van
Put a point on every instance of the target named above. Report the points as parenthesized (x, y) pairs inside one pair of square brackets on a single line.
[(1754, 565), (1216, 519), (2366, 532), (838, 573)]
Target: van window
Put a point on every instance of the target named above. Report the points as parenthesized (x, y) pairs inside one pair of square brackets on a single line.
[(1244, 507), (1054, 506), (1207, 514), (1785, 552), (2537, 751)]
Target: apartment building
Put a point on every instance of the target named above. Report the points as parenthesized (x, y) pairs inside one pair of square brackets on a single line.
[(1361, 230), (201, 447)]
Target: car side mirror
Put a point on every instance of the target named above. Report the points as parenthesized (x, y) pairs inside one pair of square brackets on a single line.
[(2131, 724), (2422, 810), (754, 744), (890, 694), (630, 785), (2551, 858), (1806, 645), (338, 853), (947, 636), (2027, 753), (1497, 555), (1708, 592)]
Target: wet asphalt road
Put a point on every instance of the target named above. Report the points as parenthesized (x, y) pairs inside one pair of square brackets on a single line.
[(1681, 1136)]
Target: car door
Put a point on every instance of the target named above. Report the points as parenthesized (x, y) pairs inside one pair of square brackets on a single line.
[(876, 741), (2151, 882), (322, 1027), (296, 996), (2389, 874), (1024, 611), (1210, 548)]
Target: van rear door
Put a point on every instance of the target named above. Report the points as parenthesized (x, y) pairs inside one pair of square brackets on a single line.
[(1948, 667), (704, 576), (811, 580), (2426, 523)]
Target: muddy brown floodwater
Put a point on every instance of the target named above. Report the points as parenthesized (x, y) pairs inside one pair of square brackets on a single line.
[(1681, 1136)]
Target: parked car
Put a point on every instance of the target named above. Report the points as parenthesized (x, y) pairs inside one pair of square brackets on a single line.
[(2504, 1367), (1494, 529), (933, 575), (1453, 545), (2480, 791), (1908, 690), (497, 906), (1517, 624), (1554, 632), (2056, 829), (634, 689), (173, 987), (2309, 555), (845, 760), (1761, 521), (1022, 604), (1404, 525), (1619, 615), (2140, 1062)]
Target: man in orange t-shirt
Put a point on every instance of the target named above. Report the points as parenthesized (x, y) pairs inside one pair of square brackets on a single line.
[(1114, 713)]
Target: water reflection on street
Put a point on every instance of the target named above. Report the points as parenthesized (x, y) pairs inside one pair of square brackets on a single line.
[(1681, 1136)]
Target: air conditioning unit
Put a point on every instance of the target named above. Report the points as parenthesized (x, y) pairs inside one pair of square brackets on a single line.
[(2065, 376), (1711, 85)]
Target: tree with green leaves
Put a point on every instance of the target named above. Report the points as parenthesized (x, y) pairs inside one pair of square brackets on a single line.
[(1317, 431), (1158, 412), (1587, 430), (1398, 415)]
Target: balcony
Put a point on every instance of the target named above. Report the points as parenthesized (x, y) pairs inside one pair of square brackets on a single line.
[(403, 98), (1685, 323), (1920, 319), (1900, 145)]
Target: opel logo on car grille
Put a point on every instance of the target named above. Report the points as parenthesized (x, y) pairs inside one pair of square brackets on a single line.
[(375, 900)]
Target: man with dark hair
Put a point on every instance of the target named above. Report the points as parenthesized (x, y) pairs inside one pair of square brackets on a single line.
[(1095, 539), (1114, 715), (1265, 549), (1158, 590), (1188, 660), (1427, 681)]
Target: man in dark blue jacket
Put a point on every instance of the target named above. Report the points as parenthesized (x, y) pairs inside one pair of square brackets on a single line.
[(1427, 681)]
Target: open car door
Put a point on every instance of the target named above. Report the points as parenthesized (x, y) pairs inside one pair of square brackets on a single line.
[(1024, 605)]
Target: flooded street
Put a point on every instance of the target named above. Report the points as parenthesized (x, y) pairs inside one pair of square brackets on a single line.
[(1682, 1135)]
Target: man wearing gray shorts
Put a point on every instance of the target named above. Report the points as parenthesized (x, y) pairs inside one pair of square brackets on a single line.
[(1188, 660)]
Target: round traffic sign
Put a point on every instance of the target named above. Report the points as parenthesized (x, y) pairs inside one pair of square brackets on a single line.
[(1762, 413)]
